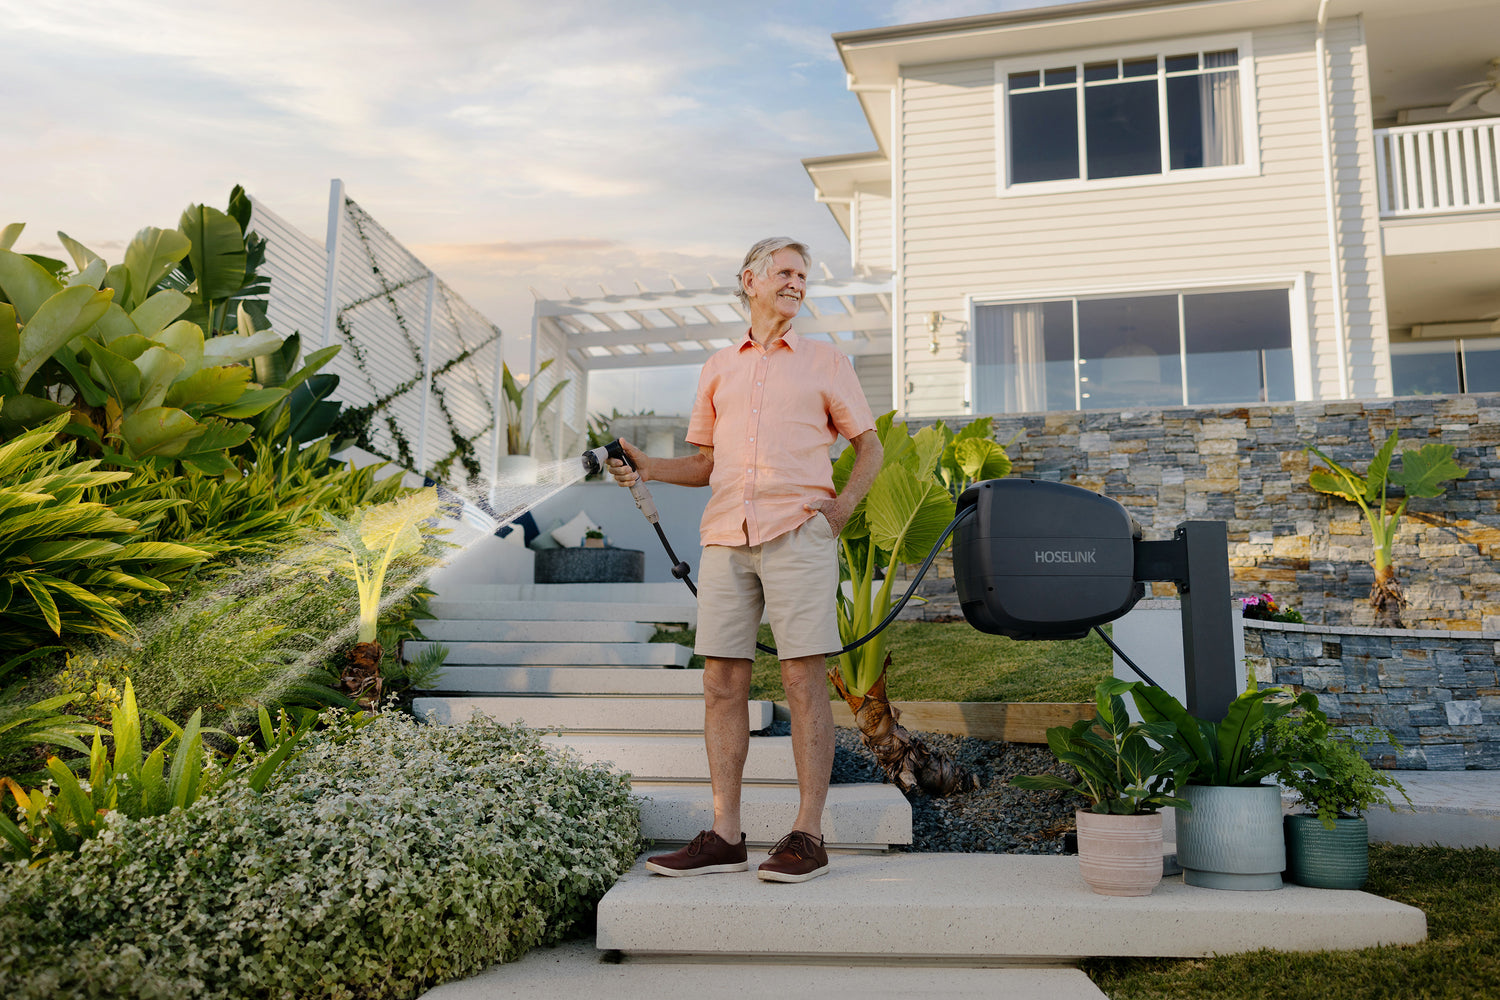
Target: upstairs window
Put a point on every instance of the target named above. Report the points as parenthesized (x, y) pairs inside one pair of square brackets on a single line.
[(1147, 116)]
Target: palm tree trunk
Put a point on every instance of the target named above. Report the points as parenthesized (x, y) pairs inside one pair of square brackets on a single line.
[(361, 679), (907, 761)]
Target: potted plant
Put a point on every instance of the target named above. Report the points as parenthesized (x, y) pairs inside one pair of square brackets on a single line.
[(593, 539), (1328, 846), (1126, 780), (517, 463), (1232, 836)]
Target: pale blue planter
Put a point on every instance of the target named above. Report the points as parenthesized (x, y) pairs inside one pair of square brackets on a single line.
[(1232, 838)]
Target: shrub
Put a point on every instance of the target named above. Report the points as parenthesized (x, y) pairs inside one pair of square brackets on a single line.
[(404, 857)]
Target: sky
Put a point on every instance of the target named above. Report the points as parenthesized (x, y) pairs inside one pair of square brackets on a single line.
[(510, 145)]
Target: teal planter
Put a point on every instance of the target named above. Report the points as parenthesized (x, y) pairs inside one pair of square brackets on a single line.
[(1327, 859), (1232, 838)]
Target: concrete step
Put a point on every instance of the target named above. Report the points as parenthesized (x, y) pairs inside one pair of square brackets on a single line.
[(574, 969), (569, 680), (978, 909), (857, 817), (679, 758), (562, 654), (484, 630), (575, 610), (590, 715), (1452, 808)]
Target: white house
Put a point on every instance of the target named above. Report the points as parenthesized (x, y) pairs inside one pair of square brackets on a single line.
[(1128, 203)]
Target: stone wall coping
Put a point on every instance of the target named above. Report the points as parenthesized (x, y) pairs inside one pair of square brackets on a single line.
[(1171, 604), (1405, 633)]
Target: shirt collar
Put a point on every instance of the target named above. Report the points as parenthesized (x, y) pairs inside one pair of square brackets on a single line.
[(790, 339)]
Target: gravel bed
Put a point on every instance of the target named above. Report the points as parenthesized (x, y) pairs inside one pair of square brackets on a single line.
[(992, 819)]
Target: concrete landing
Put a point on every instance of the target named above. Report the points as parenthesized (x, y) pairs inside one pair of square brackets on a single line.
[(1452, 808), (569, 680), (558, 654), (978, 909), (593, 715), (576, 969), (856, 817), (680, 758)]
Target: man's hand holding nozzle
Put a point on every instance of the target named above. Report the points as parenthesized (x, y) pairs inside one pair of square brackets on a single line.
[(621, 470)]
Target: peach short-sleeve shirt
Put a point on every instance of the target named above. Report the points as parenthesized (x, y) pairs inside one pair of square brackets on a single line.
[(771, 416)]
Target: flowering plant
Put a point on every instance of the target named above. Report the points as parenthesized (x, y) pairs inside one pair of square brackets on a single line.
[(1263, 607)]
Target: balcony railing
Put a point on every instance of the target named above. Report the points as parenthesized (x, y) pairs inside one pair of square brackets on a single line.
[(1430, 169)]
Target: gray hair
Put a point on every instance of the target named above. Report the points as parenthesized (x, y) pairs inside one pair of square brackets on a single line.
[(758, 261)]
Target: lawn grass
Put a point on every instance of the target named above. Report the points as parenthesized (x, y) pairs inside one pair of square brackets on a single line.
[(1455, 887), (951, 661)]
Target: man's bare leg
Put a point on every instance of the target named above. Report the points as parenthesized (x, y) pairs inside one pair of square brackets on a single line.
[(806, 684), (726, 737)]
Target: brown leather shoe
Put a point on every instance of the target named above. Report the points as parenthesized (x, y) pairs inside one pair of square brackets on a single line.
[(708, 854), (797, 857)]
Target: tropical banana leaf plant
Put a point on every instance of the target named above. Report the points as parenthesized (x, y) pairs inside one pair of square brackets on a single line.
[(70, 564), (971, 455), (380, 535), (899, 521), (147, 354), (1423, 473), (517, 434)]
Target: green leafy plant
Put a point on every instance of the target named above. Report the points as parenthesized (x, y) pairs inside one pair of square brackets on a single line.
[(899, 521), (971, 455), (1344, 784), (68, 564), (1234, 751), (1422, 474), (517, 435), (377, 866), (145, 354), (1123, 767), (28, 726)]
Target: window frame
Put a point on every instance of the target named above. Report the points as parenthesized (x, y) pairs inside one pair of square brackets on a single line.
[(1249, 116), (1296, 285)]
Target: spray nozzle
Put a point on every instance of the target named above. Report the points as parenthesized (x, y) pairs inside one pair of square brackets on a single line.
[(594, 459)]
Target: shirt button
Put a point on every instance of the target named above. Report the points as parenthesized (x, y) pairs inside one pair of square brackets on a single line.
[(752, 440)]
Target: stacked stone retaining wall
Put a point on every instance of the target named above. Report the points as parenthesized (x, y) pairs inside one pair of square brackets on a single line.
[(1247, 465), (1436, 692)]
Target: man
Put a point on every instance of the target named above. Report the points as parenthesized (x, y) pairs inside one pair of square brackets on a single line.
[(766, 413)]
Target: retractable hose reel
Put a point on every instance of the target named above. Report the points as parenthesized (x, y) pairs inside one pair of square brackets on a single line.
[(1041, 560)]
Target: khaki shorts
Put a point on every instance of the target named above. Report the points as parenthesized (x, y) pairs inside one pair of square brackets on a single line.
[(793, 579)]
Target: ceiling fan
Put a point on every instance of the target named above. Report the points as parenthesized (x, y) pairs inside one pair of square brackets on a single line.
[(1484, 93)]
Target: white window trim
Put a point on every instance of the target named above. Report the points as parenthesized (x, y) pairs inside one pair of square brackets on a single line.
[(1249, 116), (1296, 285)]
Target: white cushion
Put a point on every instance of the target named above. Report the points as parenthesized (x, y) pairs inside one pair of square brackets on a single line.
[(571, 534)]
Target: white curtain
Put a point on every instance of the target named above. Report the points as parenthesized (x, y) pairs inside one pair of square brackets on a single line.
[(1009, 358), (1219, 94)]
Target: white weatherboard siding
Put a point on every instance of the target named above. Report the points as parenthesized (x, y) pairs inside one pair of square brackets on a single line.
[(871, 212), (958, 240)]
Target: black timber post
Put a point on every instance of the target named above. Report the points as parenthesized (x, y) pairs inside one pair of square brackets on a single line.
[(1207, 619)]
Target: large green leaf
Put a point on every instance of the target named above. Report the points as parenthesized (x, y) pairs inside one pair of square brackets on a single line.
[(907, 515), (26, 283), (158, 367), (238, 347), (115, 372), (10, 234), (217, 252), (927, 444), (152, 316), (29, 411), (211, 386), (161, 431), (1424, 471), (981, 459), (56, 321), (249, 403), (10, 336), (82, 255), (151, 254), (185, 339), (114, 324)]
